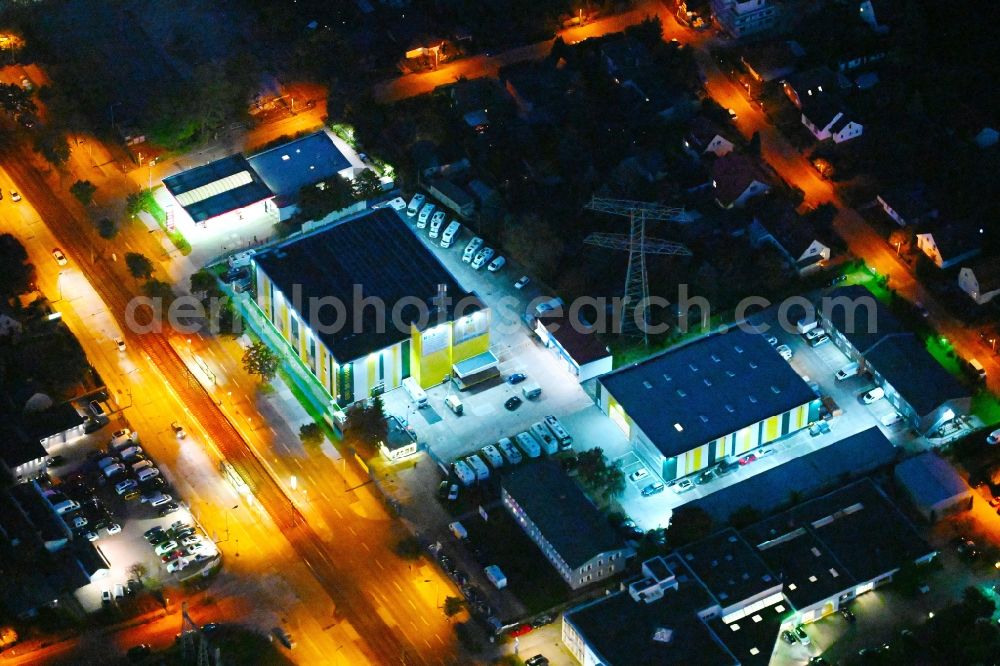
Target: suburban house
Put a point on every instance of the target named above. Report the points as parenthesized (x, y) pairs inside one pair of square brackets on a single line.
[(745, 17), (981, 280), (705, 136), (727, 598), (794, 237), (720, 396), (571, 532), (826, 116), (933, 486), (948, 245), (813, 82), (737, 179), (906, 205), (771, 61), (452, 196), (924, 393)]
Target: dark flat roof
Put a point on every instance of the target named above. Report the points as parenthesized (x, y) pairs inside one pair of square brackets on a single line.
[(229, 184), (577, 339), (620, 630), (376, 251), (710, 388), (565, 516), (751, 636), (288, 168), (805, 475), (53, 421), (907, 365), (727, 565), (855, 532), (861, 329), (930, 479), (17, 448)]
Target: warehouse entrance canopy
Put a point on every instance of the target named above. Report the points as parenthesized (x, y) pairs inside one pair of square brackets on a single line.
[(476, 369)]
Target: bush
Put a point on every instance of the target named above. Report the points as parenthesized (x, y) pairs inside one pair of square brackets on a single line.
[(107, 228), (408, 548), (84, 191), (466, 636)]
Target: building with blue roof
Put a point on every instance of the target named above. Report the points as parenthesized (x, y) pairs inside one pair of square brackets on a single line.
[(226, 190), (720, 396), (309, 160), (933, 486), (923, 392)]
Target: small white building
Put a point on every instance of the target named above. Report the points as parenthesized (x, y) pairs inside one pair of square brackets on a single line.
[(827, 118), (981, 280)]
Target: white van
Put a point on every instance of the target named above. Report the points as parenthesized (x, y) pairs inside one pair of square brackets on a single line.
[(105, 463), (130, 452), (147, 473), (436, 221), (509, 451), (528, 444), (464, 473), (564, 438), (417, 394), (479, 467), (978, 368), (141, 465), (545, 438), (66, 506), (454, 404), (425, 215), (531, 390), (471, 249), (492, 456), (874, 395), (848, 371), (415, 203), (450, 232)]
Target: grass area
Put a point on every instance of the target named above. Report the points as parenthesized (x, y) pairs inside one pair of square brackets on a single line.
[(942, 351), (529, 575), (986, 406), (149, 204)]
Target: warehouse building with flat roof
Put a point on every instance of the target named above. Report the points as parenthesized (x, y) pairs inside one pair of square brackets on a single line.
[(364, 305), (720, 396), (226, 191)]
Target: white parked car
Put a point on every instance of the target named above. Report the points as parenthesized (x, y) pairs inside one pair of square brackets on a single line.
[(399, 203), (785, 351), (122, 436), (496, 264), (639, 474), (165, 547), (482, 257), (177, 565), (60, 258), (113, 528), (814, 333), (120, 343), (522, 283), (873, 395)]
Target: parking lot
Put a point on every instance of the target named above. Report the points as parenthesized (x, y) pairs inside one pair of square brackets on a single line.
[(112, 493)]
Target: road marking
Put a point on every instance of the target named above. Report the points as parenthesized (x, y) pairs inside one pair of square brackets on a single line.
[(396, 583), (351, 530), (379, 564), (423, 618), (411, 603), (366, 546)]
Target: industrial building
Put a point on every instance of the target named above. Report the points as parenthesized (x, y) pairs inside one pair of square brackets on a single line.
[(222, 192), (922, 391), (576, 344), (933, 486), (725, 599), (719, 396), (322, 293), (572, 534)]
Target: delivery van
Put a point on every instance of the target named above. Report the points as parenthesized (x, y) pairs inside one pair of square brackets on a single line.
[(531, 390), (454, 404)]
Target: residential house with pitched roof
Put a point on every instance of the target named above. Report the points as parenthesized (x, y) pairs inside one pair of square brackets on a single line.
[(827, 117), (737, 179), (981, 280), (949, 244)]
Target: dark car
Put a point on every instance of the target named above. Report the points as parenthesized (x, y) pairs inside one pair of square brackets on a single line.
[(541, 621), (512, 403), (137, 653), (704, 477), (168, 509), (848, 615), (516, 378), (537, 660)]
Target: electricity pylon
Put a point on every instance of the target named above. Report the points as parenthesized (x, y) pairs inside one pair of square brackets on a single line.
[(638, 246)]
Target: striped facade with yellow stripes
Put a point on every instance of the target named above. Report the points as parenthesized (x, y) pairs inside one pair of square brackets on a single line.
[(428, 355), (734, 444)]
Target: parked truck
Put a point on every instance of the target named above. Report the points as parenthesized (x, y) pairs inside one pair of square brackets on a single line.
[(545, 438)]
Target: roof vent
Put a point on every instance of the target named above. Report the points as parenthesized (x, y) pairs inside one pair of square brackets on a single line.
[(663, 635), (739, 350), (753, 399), (681, 393), (753, 365), (729, 408), (716, 358), (731, 539), (678, 427), (704, 419), (708, 382), (285, 158), (647, 385), (730, 373), (775, 390), (694, 368), (667, 378)]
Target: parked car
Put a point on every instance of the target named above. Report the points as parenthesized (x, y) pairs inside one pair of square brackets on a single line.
[(873, 395), (520, 630), (512, 403), (747, 459), (496, 264), (522, 283), (785, 351), (14, 195), (178, 430), (120, 343), (819, 341), (537, 660), (653, 489), (483, 256), (789, 637), (639, 474), (814, 333), (848, 615), (121, 437), (993, 438), (704, 477), (60, 258), (113, 528), (518, 377), (165, 547), (800, 633), (168, 509)]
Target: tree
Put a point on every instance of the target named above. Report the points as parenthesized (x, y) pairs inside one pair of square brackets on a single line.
[(453, 606), (17, 274), (316, 201), (53, 146), (688, 524), (106, 228), (84, 191), (366, 424), (589, 464), (753, 148), (649, 31), (138, 571), (139, 265), (367, 185), (311, 434), (204, 284), (258, 359), (408, 548), (158, 289)]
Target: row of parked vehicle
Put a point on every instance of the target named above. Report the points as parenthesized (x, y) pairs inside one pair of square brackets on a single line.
[(134, 475), (548, 436), (429, 217), (180, 545)]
